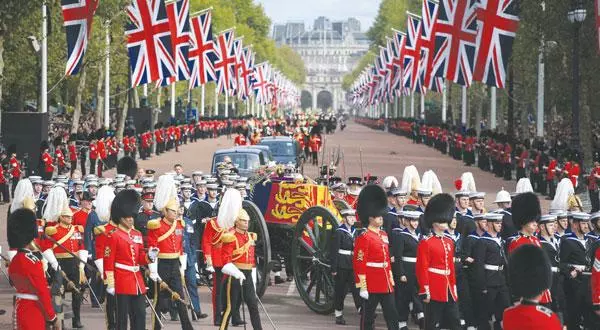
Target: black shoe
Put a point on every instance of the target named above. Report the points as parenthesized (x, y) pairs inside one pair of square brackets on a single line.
[(289, 278), (237, 323), (175, 317), (200, 316), (279, 280), (340, 320), (194, 318), (76, 324)]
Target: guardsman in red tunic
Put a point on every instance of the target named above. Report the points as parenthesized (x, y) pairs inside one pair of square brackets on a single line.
[(60, 160), (595, 281), (166, 234), (526, 212), (72, 155), (132, 146), (47, 160), (435, 266), (530, 277), (314, 145), (93, 154), (354, 184), (126, 147), (240, 139), (32, 303), (70, 237), (14, 168), (101, 146), (371, 261), (240, 268), (123, 255)]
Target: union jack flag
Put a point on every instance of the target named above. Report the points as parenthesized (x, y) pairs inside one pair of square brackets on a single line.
[(455, 37), (225, 62), (78, 16), (399, 45), (245, 73), (384, 71), (201, 53), (261, 82), (497, 22), (237, 50), (428, 27), (178, 12), (412, 53), (149, 42)]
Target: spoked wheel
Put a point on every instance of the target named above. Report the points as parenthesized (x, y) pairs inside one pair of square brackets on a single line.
[(262, 250), (341, 204), (310, 258)]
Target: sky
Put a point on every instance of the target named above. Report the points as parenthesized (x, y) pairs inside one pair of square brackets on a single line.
[(282, 11)]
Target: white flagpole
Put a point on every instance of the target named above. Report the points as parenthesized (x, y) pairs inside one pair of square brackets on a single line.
[(44, 78), (396, 106), (422, 106), (202, 91), (145, 90), (403, 106), (412, 105), (540, 103), (173, 100), (386, 110), (216, 109), (253, 101), (493, 108), (107, 78), (464, 105), (444, 102), (226, 104)]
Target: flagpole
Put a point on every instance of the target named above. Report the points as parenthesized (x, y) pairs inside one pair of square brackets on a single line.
[(44, 75), (422, 106), (216, 109), (464, 106), (226, 104), (202, 91), (173, 100), (396, 106), (107, 77), (403, 105), (386, 110), (444, 102), (252, 101), (540, 103), (412, 105), (493, 108)]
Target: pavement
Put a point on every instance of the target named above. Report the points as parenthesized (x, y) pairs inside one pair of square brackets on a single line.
[(382, 154)]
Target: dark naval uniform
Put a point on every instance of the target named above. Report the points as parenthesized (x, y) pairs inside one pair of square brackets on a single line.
[(341, 264), (404, 252), (551, 248)]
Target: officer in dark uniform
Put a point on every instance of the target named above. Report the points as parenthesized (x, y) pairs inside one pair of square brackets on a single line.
[(469, 294), (551, 246), (341, 264), (146, 213), (489, 263), (202, 209), (403, 248)]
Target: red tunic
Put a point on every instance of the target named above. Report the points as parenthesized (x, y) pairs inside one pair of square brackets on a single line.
[(26, 273), (168, 238), (529, 316), (15, 168), (101, 149), (71, 237), (372, 263), (240, 140), (239, 249), (60, 158), (523, 240), (126, 147), (123, 255), (93, 151), (212, 244), (435, 268), (80, 217), (550, 172), (72, 153), (47, 159), (595, 282), (103, 233)]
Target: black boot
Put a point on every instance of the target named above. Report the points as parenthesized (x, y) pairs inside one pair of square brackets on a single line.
[(340, 320), (279, 280), (200, 315), (76, 324)]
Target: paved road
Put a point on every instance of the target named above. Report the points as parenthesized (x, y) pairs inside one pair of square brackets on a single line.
[(382, 154)]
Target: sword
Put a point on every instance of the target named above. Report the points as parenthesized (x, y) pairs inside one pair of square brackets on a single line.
[(265, 310), (94, 294), (72, 254), (154, 311)]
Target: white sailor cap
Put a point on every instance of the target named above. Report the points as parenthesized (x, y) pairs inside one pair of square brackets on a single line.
[(479, 216), (494, 216), (200, 182), (211, 180), (559, 213), (149, 184), (48, 183), (131, 182), (197, 173), (120, 184), (240, 185), (59, 184), (35, 179), (424, 192), (212, 186), (595, 216), (92, 183), (186, 186), (579, 216), (241, 179), (79, 182), (477, 195), (347, 212), (546, 218), (227, 183), (398, 192), (411, 214)]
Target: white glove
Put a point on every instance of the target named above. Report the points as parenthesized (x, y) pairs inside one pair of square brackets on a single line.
[(49, 255), (83, 255), (254, 276), (100, 265), (153, 254), (11, 254), (210, 269), (110, 291), (231, 270), (183, 262), (364, 294), (153, 267)]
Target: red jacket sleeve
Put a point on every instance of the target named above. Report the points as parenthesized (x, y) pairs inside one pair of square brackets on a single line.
[(596, 279), (359, 260), (422, 267), (38, 279), (206, 238)]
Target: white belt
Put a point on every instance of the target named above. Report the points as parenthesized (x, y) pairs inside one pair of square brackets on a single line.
[(133, 269), (345, 252), (578, 267), (377, 264), (409, 259), (493, 267), (439, 271), (554, 269), (26, 296)]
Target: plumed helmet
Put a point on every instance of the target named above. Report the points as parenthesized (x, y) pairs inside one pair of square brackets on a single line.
[(166, 192), (229, 209), (127, 166), (525, 209), (23, 191), (430, 182), (523, 186), (389, 182), (22, 228), (104, 199), (125, 204), (372, 202), (529, 271), (55, 202), (440, 209), (410, 179), (564, 190)]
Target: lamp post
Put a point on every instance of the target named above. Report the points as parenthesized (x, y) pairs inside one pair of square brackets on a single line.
[(576, 16)]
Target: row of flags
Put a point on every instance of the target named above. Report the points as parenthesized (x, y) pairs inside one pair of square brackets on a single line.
[(458, 40), (166, 44)]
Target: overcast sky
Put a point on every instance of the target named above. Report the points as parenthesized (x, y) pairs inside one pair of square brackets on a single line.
[(281, 11)]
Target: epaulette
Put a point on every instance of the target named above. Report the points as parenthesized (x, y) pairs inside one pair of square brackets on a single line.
[(99, 229), (50, 230), (253, 236), (227, 238), (32, 257), (80, 228), (544, 310), (153, 224), (112, 231)]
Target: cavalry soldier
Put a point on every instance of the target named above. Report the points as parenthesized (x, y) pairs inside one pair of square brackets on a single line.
[(238, 259), (70, 239), (551, 246), (32, 303), (529, 276), (166, 234), (341, 264), (404, 254), (123, 255), (372, 263), (489, 280), (435, 266), (354, 185)]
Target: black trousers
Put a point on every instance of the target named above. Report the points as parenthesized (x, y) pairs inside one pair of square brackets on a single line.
[(92, 166), (495, 302), (14, 183), (217, 293), (465, 296), (405, 294), (73, 166), (4, 192), (551, 188), (235, 293), (344, 280), (437, 311), (389, 311), (315, 158), (579, 304), (132, 307), (168, 270), (110, 311), (82, 165), (520, 173), (595, 200), (71, 268)]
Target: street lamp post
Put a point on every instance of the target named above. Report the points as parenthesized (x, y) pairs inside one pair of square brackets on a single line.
[(576, 16)]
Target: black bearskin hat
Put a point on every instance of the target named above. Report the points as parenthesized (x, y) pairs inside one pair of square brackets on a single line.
[(127, 166), (126, 204), (12, 149), (529, 271), (525, 209), (73, 137), (372, 202), (22, 228), (99, 134), (440, 209), (44, 145), (57, 141)]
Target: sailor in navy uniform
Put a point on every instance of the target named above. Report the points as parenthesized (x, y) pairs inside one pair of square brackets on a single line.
[(341, 264), (551, 246), (403, 248)]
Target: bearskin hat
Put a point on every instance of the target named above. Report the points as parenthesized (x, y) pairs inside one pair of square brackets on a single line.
[(127, 166), (22, 228), (529, 271), (525, 209), (12, 149), (372, 202), (44, 145), (72, 137), (57, 141), (126, 204), (440, 209)]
